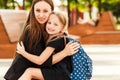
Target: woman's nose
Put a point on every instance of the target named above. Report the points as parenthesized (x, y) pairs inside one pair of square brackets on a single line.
[(41, 14)]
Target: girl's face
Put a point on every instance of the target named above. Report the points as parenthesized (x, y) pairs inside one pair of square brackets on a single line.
[(54, 26), (42, 11)]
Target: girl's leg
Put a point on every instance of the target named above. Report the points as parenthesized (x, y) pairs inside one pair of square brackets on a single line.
[(32, 73)]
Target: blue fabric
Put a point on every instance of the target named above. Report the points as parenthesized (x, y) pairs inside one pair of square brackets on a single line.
[(82, 64)]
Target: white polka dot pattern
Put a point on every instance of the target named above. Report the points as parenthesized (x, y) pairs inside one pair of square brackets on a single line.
[(82, 65)]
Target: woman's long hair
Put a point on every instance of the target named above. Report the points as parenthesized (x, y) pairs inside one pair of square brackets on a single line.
[(36, 30)]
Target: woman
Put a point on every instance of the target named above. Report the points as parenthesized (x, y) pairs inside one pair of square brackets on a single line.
[(34, 38)]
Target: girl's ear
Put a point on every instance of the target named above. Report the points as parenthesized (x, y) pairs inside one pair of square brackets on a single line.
[(65, 30), (62, 31)]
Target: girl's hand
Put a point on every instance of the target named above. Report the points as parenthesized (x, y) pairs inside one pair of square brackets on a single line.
[(20, 48), (71, 48)]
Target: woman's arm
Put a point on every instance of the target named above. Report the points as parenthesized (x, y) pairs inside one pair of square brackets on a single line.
[(33, 58), (70, 49)]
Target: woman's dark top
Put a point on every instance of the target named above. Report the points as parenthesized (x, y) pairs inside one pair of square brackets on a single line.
[(20, 64)]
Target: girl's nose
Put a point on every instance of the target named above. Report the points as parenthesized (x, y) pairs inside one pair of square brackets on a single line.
[(51, 25)]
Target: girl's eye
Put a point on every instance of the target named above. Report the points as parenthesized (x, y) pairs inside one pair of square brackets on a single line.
[(56, 24)]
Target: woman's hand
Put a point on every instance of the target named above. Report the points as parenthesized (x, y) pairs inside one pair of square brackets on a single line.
[(20, 48), (71, 48)]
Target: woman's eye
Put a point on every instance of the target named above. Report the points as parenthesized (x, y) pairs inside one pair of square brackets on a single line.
[(37, 10), (45, 11), (49, 22)]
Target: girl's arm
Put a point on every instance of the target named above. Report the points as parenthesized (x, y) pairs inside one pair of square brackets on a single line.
[(33, 58), (70, 49)]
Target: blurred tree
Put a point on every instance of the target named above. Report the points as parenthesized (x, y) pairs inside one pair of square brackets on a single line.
[(11, 4), (27, 4), (3, 4), (116, 11), (103, 5), (113, 6), (79, 7)]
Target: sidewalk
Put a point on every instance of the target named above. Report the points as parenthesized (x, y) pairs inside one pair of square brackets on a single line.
[(4, 65), (106, 61)]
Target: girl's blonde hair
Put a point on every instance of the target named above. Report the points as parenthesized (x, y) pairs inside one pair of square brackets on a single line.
[(62, 19)]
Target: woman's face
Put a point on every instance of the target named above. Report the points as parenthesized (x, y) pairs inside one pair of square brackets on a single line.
[(42, 11), (54, 26)]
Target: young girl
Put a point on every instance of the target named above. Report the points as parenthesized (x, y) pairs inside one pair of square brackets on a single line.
[(55, 27)]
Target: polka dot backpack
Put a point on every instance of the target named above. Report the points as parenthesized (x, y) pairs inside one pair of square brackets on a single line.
[(82, 64)]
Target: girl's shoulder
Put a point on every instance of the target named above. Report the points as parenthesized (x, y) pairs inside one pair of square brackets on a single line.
[(57, 42), (58, 38)]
